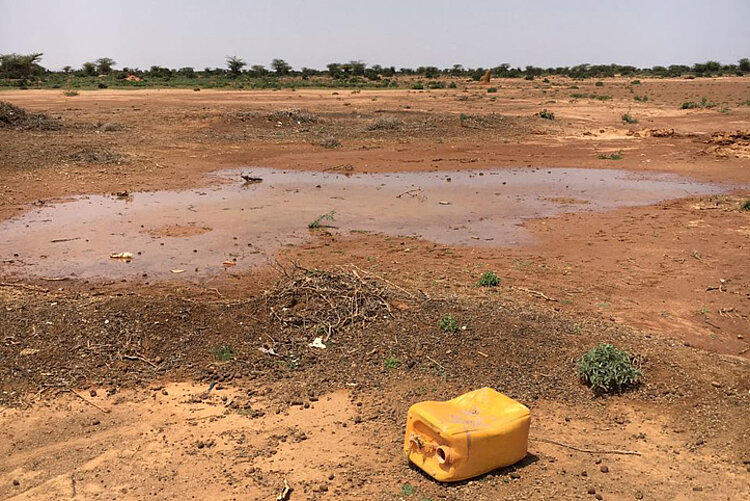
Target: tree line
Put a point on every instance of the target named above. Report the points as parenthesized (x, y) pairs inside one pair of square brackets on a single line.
[(27, 66)]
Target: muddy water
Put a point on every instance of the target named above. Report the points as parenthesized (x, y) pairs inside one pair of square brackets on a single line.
[(233, 225)]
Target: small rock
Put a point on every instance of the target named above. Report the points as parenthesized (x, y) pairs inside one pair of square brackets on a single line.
[(95, 422), (599, 497), (584, 473), (638, 495), (92, 393), (598, 461), (331, 476), (604, 469), (164, 392), (591, 490), (158, 360), (698, 489), (716, 384), (16, 482), (515, 475)]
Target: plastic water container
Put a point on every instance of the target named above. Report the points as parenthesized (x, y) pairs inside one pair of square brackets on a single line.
[(468, 436)]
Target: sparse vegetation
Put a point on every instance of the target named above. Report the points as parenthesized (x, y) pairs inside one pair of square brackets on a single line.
[(318, 222), (745, 206), (223, 353), (386, 123), (448, 323), (599, 84), (612, 156), (70, 93), (606, 368), (628, 119), (635, 82), (640, 99), (489, 279), (546, 114), (330, 142), (704, 103), (392, 363), (492, 90), (598, 97)]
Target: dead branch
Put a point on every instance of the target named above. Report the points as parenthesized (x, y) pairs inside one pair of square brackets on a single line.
[(588, 451)]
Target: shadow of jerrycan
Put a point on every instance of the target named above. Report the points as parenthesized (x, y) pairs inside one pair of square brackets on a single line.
[(467, 436)]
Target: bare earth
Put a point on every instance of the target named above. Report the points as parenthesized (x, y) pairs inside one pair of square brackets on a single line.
[(104, 382)]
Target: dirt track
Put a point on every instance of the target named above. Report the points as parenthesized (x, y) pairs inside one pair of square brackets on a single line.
[(670, 282)]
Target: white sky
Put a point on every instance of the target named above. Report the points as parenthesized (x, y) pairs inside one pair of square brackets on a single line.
[(403, 33)]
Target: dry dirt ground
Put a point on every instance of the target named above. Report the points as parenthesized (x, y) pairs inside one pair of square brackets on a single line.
[(127, 390)]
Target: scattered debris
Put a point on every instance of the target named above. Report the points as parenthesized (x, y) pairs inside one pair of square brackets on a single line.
[(317, 343), (13, 117), (250, 179), (286, 491), (125, 256)]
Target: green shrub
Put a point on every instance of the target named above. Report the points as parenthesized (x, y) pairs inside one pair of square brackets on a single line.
[(607, 368), (547, 115), (689, 105), (418, 86), (70, 93), (628, 119), (452, 85), (641, 99), (224, 353), (599, 84), (448, 323), (489, 279), (392, 363), (635, 82), (492, 90), (745, 206), (330, 142), (318, 221), (613, 156)]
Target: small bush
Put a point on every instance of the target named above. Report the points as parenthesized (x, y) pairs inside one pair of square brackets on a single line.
[(224, 353), (452, 85), (492, 90), (546, 114), (330, 142), (318, 222), (102, 85), (629, 119), (386, 123), (418, 86), (448, 323), (70, 93), (689, 105), (599, 84), (489, 279), (745, 206), (641, 99), (635, 82), (392, 363), (607, 368), (546, 80), (613, 156), (529, 77)]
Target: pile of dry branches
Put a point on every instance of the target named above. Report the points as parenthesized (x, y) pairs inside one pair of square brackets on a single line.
[(323, 302)]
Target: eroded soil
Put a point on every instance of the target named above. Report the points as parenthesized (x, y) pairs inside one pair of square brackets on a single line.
[(105, 381)]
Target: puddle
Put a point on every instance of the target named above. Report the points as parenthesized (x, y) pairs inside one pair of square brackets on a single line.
[(198, 232)]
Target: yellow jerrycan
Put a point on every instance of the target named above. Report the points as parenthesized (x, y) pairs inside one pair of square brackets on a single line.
[(473, 434)]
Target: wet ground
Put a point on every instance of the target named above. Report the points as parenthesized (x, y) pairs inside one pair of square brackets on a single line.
[(237, 224)]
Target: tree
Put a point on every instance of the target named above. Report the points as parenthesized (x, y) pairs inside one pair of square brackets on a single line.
[(89, 69), (259, 70), (744, 65), (67, 69), (104, 65), (235, 65), (281, 67), (20, 65)]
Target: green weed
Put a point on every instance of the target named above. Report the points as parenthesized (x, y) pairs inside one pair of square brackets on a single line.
[(448, 323), (607, 368)]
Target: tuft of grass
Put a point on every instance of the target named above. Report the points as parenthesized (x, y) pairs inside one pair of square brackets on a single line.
[(635, 82), (223, 353), (745, 206), (492, 90), (612, 156), (70, 93), (448, 323), (704, 103), (418, 86), (489, 279), (606, 368), (641, 99), (629, 119), (546, 114), (452, 85), (392, 363), (318, 221), (724, 110), (330, 142), (408, 489), (599, 84), (599, 97)]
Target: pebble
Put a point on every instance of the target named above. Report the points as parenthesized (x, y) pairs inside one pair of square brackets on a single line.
[(16, 482), (639, 495), (599, 497), (92, 393), (698, 489), (515, 475), (591, 490), (95, 422), (584, 473), (605, 469)]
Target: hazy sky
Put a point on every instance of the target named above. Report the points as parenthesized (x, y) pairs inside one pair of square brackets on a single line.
[(403, 33)]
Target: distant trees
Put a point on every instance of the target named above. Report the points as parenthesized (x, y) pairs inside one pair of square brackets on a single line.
[(744, 65), (235, 65), (20, 65), (104, 65), (281, 67), (67, 69), (89, 69)]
